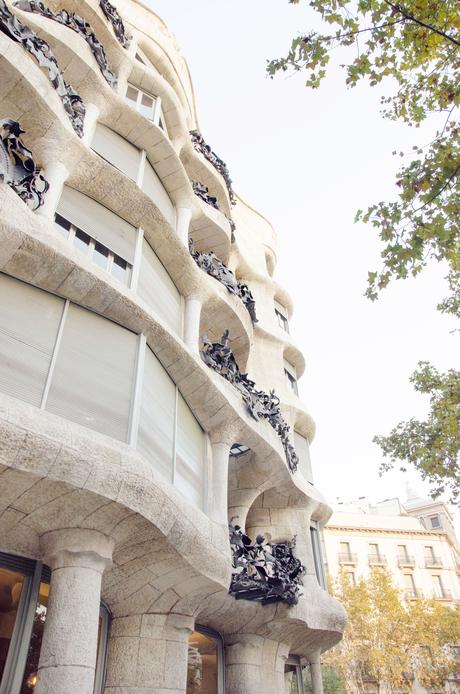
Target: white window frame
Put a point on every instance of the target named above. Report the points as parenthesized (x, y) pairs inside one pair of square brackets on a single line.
[(157, 112)]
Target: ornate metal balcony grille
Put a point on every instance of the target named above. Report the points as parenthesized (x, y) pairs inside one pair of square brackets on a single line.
[(80, 26), (202, 192), (17, 167), (261, 405), (377, 560), (211, 264), (347, 558), (433, 561), (404, 560), (264, 571), (220, 166), (115, 20), (41, 51)]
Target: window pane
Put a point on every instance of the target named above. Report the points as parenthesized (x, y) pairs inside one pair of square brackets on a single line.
[(30, 674), (81, 241), (29, 322), (11, 585), (93, 379), (62, 225), (158, 290), (189, 475), (131, 96), (120, 269), (202, 666), (290, 679), (146, 106), (100, 255)]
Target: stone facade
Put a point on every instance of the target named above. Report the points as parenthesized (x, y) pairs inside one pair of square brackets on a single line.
[(118, 466)]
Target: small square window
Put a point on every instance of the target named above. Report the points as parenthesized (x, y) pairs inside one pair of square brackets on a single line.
[(131, 96), (101, 255), (121, 270), (435, 521)]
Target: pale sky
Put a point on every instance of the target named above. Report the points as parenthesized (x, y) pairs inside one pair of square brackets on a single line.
[(307, 161)]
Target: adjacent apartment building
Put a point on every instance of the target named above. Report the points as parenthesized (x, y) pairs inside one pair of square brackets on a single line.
[(148, 384)]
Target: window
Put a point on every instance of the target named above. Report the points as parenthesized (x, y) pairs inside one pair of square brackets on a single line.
[(293, 680), (344, 549), (282, 316), (435, 521), (142, 58), (302, 448), (317, 558), (291, 377), (438, 586), (350, 576), (402, 552), (25, 583), (147, 104), (238, 449), (98, 233), (409, 586), (158, 290), (205, 667)]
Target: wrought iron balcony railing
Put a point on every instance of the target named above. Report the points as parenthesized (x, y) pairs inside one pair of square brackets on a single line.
[(404, 560), (377, 559), (431, 562), (445, 595), (347, 558), (413, 594)]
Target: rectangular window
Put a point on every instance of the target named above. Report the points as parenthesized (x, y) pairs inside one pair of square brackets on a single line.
[(317, 558), (438, 586), (350, 575), (282, 316), (147, 104), (117, 151), (92, 382), (302, 448), (158, 290), (154, 188), (409, 585), (402, 552), (435, 522), (29, 324), (291, 377), (189, 475)]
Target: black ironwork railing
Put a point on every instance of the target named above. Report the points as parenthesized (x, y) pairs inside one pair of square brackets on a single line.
[(433, 561), (443, 595), (377, 559), (404, 560), (348, 558)]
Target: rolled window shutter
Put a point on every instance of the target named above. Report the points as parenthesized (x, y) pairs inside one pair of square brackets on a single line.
[(289, 367), (158, 290), (99, 222), (302, 448), (153, 187), (282, 309), (156, 424), (189, 475), (92, 382), (116, 150), (29, 323)]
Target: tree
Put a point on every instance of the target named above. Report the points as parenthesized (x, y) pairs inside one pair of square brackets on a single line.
[(387, 641), (413, 46)]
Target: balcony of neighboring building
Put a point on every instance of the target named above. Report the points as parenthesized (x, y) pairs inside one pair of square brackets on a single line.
[(433, 562), (377, 560), (413, 594), (405, 561), (347, 558)]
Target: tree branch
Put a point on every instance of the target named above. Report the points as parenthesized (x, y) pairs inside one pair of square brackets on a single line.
[(405, 13)]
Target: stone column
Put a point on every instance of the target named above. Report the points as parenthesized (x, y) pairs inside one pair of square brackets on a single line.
[(316, 676), (56, 174), (184, 215), (254, 664), (77, 559), (91, 116), (148, 653), (219, 482), (192, 313)]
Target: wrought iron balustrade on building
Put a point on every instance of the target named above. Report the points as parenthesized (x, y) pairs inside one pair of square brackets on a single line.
[(404, 560), (17, 167), (433, 562), (115, 20), (211, 264), (261, 405), (220, 166), (202, 192), (41, 51), (264, 571), (348, 558), (377, 559)]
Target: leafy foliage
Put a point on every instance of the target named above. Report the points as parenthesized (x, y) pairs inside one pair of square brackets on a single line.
[(431, 446), (413, 47), (387, 642)]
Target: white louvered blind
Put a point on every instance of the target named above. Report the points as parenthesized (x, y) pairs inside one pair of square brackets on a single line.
[(302, 448), (99, 222), (153, 187), (116, 150), (92, 382), (282, 309), (158, 290), (29, 323), (189, 475), (157, 417)]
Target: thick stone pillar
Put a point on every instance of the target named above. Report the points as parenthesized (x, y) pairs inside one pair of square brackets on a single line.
[(184, 215), (77, 559), (56, 174), (316, 676), (192, 313), (148, 653), (219, 482), (254, 664)]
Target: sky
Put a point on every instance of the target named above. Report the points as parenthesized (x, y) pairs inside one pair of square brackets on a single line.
[(307, 160)]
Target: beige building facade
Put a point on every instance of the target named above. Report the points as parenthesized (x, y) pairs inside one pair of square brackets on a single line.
[(136, 293)]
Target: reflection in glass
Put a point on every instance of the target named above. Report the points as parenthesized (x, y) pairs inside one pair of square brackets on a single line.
[(202, 666), (11, 585), (30, 674)]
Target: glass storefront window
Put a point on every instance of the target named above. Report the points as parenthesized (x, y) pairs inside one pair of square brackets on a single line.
[(11, 586), (24, 591), (205, 663)]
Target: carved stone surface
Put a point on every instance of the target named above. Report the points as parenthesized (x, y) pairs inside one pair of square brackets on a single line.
[(211, 264), (115, 20), (261, 405), (79, 25), (17, 168), (264, 571), (41, 51), (201, 146)]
